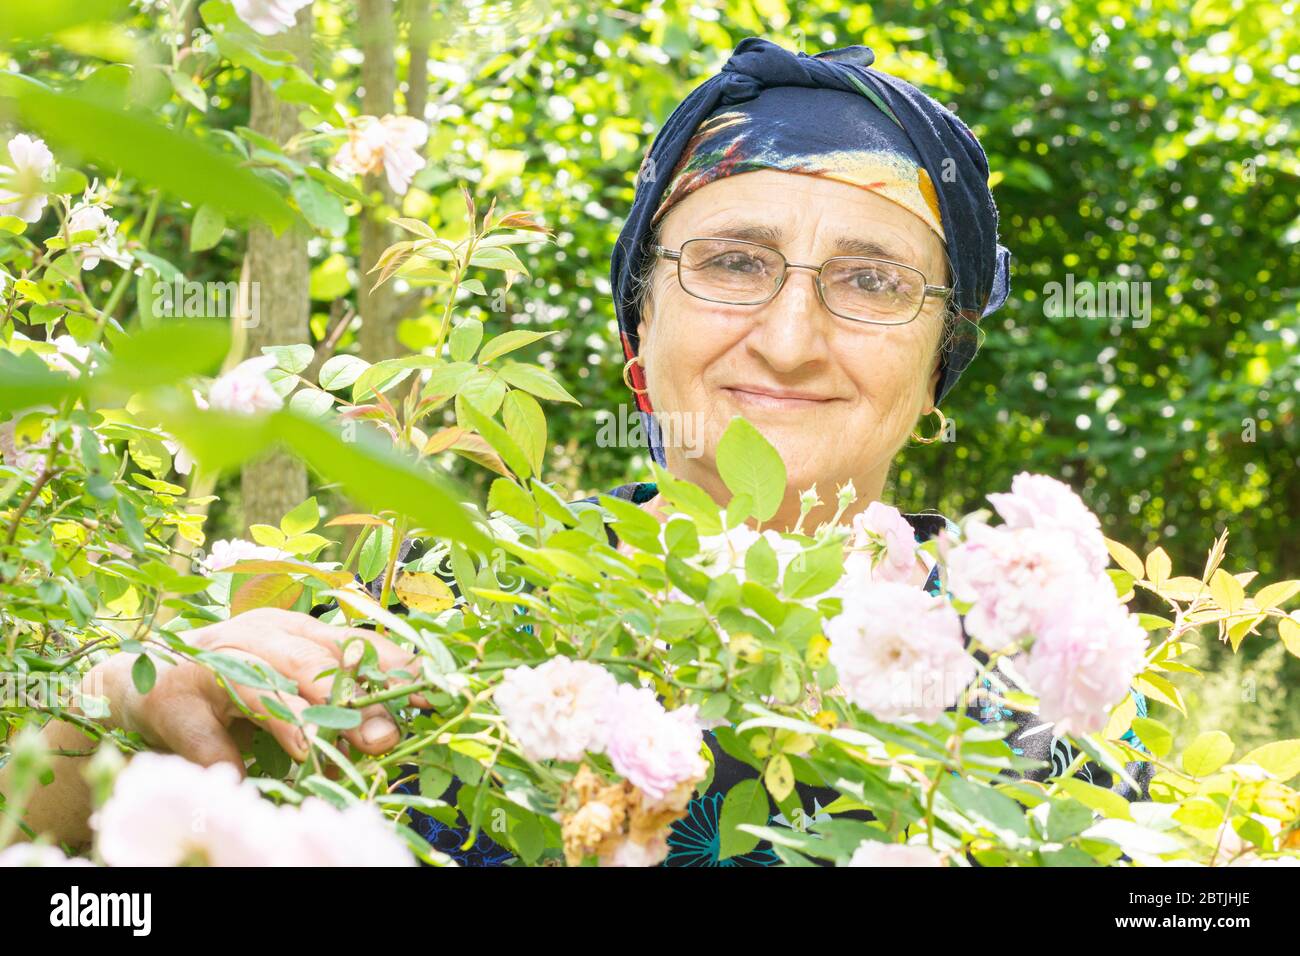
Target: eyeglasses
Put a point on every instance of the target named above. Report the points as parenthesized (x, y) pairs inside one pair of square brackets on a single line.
[(739, 272)]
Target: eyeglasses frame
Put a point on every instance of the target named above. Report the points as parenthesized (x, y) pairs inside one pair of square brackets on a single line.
[(675, 255)]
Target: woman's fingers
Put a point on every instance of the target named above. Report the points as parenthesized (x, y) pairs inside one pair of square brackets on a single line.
[(305, 662), (188, 727), (312, 668), (391, 656), (377, 733), (292, 738)]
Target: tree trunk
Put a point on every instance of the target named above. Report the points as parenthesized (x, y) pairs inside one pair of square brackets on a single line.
[(417, 67), (279, 268), (378, 29)]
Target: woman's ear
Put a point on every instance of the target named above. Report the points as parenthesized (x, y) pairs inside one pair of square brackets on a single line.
[(934, 383)]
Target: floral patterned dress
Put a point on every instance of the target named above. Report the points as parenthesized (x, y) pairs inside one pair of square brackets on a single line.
[(694, 839)]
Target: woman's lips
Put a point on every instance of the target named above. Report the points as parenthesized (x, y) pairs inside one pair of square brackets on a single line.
[(776, 399)]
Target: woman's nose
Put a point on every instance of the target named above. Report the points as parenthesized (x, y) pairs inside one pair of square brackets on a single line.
[(791, 327)]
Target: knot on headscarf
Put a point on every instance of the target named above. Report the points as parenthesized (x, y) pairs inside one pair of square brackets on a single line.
[(947, 150)]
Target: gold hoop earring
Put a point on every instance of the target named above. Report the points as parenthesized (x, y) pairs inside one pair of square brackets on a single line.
[(943, 427), (627, 380)]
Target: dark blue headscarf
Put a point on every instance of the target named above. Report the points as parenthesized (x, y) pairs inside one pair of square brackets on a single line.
[(945, 148)]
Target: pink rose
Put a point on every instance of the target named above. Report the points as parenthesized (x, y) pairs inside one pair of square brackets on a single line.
[(654, 749), (899, 652)]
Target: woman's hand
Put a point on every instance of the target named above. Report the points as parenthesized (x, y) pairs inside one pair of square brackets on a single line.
[(189, 713)]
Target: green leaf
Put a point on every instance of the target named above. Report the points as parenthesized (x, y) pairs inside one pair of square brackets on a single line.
[(760, 563), (323, 209), (536, 381), (28, 22), (25, 381), (494, 435), (745, 803), (1280, 758), (1207, 753), (507, 497), (374, 553), (465, 338), (290, 358), (1157, 738), (526, 425), (995, 811), (301, 519), (311, 402), (335, 718), (690, 500), (166, 353), (508, 342), (143, 148), (341, 371), (749, 465), (814, 570), (379, 478), (143, 674), (1106, 802)]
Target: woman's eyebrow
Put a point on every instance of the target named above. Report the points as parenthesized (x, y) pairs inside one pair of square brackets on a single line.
[(752, 232), (855, 246), (774, 236)]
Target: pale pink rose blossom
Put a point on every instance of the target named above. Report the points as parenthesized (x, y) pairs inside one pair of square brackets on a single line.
[(1042, 502), (890, 542), (392, 144), (318, 834), (1083, 661), (89, 216), (33, 854), (245, 389), (653, 749), (873, 853), (629, 853), (559, 710), (225, 553), (166, 811), (68, 355), (899, 652), (21, 194), (269, 17), (1015, 579), (30, 457)]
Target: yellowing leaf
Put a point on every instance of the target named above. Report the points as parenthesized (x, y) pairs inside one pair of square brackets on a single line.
[(1289, 631), (266, 590), (336, 579), (424, 591), (267, 535), (1281, 758), (1207, 753), (1275, 595), (1125, 558), (1183, 588), (1158, 566), (779, 777), (1227, 591)]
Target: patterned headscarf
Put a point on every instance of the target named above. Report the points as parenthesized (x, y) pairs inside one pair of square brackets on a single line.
[(768, 109), (848, 143)]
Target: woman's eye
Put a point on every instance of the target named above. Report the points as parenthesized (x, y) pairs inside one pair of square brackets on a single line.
[(738, 262), (869, 280)]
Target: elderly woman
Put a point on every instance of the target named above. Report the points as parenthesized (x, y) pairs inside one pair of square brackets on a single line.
[(812, 245)]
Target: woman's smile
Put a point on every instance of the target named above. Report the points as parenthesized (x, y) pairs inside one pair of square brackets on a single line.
[(772, 398)]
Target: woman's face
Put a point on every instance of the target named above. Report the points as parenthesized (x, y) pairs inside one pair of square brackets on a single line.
[(837, 398)]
